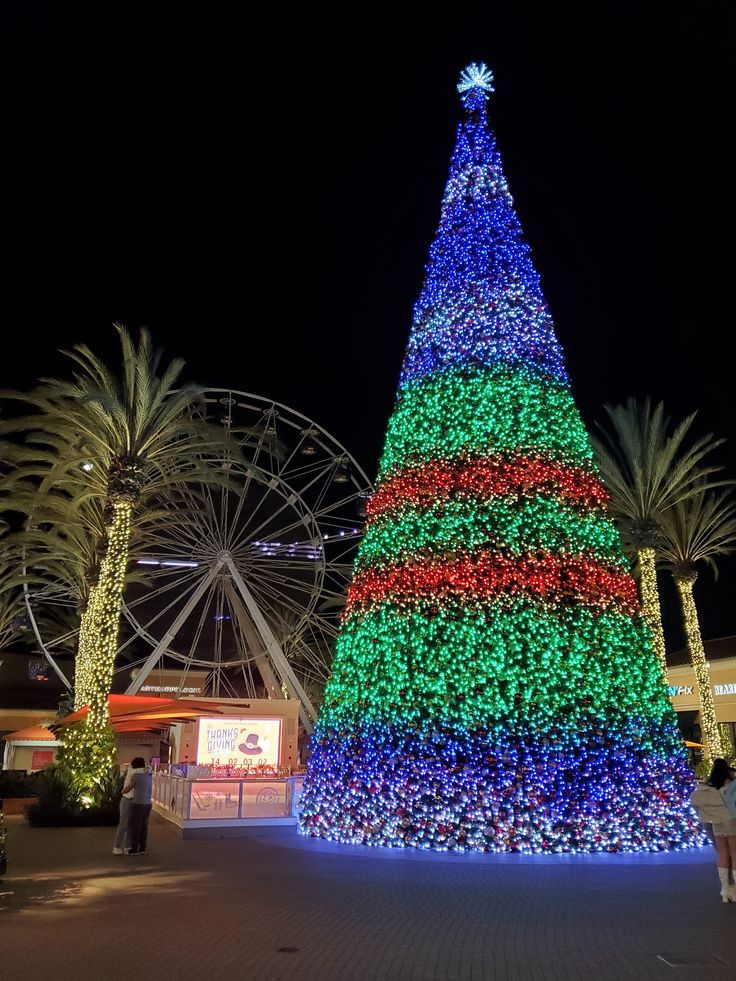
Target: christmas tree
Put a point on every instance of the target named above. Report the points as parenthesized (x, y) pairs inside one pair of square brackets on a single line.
[(494, 685)]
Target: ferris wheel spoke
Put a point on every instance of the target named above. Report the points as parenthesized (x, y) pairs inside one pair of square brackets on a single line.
[(264, 522), (268, 597), (284, 531), (304, 438), (128, 666), (173, 539), (337, 558), (345, 502), (173, 583), (285, 572), (261, 565), (179, 600), (60, 639), (248, 680), (235, 524), (206, 600), (281, 590), (211, 513)]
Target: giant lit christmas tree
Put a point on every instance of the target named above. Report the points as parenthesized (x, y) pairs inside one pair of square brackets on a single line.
[(494, 685)]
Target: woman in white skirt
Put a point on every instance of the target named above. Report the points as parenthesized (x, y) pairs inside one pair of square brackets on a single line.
[(711, 809)]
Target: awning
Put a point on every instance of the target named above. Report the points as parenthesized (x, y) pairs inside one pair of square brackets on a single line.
[(33, 734), (128, 712)]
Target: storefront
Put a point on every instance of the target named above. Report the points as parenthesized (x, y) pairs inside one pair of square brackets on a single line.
[(29, 749), (683, 688)]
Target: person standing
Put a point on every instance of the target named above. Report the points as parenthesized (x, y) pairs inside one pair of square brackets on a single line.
[(122, 836), (142, 785), (708, 801)]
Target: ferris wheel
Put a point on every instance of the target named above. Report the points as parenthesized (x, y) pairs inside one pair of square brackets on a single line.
[(245, 579)]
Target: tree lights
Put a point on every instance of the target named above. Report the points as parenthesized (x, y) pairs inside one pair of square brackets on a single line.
[(89, 750), (493, 685), (650, 603), (708, 719)]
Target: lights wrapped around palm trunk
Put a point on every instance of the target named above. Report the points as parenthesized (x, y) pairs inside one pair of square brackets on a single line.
[(90, 749), (494, 685)]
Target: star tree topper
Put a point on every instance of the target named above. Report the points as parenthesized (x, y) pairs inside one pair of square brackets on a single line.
[(475, 85)]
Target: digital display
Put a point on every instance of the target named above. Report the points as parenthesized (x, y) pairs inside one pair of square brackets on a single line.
[(239, 742)]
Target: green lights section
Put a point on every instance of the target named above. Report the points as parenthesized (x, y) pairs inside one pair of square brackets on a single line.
[(474, 411), (467, 666), (517, 526)]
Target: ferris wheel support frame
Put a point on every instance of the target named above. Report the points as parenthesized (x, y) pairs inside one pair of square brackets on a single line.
[(284, 670), (160, 649), (261, 660)]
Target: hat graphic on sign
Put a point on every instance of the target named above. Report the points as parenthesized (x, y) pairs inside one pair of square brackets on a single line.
[(250, 746)]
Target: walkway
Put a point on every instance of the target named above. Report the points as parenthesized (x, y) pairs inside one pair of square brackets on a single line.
[(276, 906)]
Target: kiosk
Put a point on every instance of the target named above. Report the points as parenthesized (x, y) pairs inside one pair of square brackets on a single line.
[(232, 771)]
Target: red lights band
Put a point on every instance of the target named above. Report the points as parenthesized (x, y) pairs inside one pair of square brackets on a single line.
[(551, 578), (487, 477)]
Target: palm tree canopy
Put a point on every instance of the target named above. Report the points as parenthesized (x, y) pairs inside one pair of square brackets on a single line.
[(646, 468), (698, 530), (10, 604), (135, 431)]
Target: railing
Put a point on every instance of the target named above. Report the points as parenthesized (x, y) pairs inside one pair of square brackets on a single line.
[(220, 799)]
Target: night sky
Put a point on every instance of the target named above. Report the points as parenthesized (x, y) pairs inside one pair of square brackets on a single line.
[(262, 197)]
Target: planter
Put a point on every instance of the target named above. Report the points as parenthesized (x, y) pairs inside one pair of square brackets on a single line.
[(17, 805)]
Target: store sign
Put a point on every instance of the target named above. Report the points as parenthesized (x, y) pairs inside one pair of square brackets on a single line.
[(675, 690), (169, 690), (239, 742), (41, 757), (724, 689)]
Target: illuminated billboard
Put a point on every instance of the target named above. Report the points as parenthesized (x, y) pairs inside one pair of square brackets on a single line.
[(239, 742)]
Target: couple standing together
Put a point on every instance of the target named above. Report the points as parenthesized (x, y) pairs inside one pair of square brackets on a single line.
[(135, 810)]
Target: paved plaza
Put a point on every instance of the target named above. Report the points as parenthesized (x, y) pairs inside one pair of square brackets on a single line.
[(276, 906)]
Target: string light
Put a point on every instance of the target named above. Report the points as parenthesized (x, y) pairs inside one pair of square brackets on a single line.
[(89, 749), (708, 719), (494, 685), (650, 603)]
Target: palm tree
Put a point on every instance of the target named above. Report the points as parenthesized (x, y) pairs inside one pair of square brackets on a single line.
[(58, 552), (111, 442), (693, 531), (647, 469)]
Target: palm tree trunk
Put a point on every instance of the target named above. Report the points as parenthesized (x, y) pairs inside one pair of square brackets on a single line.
[(708, 720), (650, 604), (85, 646), (99, 638)]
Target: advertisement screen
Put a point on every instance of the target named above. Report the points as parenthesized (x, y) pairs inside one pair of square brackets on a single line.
[(239, 742)]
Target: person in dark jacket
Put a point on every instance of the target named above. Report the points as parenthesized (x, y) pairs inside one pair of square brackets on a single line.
[(141, 783), (707, 799)]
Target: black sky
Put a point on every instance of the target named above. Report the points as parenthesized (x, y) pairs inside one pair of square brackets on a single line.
[(262, 194)]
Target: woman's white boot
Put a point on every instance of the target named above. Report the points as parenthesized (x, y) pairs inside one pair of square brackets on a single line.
[(727, 888)]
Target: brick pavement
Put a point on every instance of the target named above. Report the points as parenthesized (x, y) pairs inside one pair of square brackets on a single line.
[(276, 907)]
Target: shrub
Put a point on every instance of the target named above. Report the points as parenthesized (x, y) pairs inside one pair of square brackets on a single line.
[(63, 802), (17, 783)]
